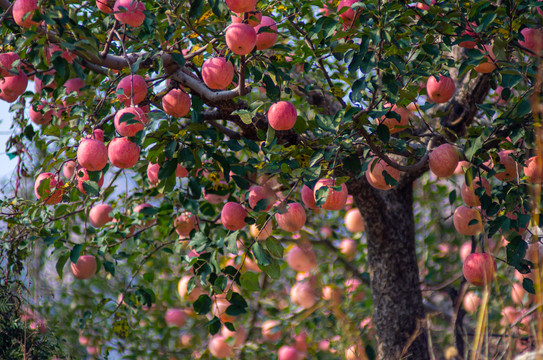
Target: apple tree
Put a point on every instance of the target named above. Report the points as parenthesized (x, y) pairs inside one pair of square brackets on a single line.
[(267, 179)]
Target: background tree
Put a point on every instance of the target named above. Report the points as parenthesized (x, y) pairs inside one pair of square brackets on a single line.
[(257, 113)]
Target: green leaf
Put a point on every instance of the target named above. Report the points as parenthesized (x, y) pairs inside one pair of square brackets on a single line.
[(74, 254), (110, 268), (61, 262), (383, 133), (202, 305), (91, 188), (260, 255), (214, 325), (273, 270), (178, 58), (231, 241), (249, 281), (274, 247), (196, 8), (528, 285)]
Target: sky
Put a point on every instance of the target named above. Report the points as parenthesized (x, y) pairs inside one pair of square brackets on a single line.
[(7, 166)]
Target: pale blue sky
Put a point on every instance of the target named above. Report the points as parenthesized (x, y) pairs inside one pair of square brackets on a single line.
[(6, 166)]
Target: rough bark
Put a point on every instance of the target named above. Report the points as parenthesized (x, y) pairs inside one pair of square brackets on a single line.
[(398, 308)]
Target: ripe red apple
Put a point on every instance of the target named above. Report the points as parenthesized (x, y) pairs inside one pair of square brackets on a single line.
[(424, 6), (534, 170), (517, 294), (217, 73), (239, 336), (233, 216), (6, 63), (82, 175), (182, 290), (75, 84), (127, 127), (375, 177), (13, 86), (461, 167), (38, 116), (54, 192), (288, 353), (105, 6), (84, 268), (468, 191), (131, 86), (489, 63), (240, 38), (271, 330), (261, 235), (471, 302), (463, 215), (65, 54), (218, 309), (301, 259), (293, 220), (356, 352), (258, 193), (68, 169), (123, 153), (469, 44), (92, 154), (443, 160), (129, 12), (282, 115), (303, 294), (393, 124), (241, 6), (335, 200), (22, 12), (331, 294), (219, 348), (348, 248), (176, 103), (254, 18), (442, 90), (99, 215), (39, 85), (533, 40), (348, 16), (510, 172), (479, 269), (185, 223), (308, 198), (267, 38), (175, 317), (300, 342), (354, 221)]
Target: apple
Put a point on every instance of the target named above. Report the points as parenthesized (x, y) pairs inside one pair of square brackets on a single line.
[(308, 198), (300, 342), (217, 73), (348, 16), (68, 169), (176, 103), (175, 317), (131, 87), (105, 6), (258, 193), (271, 330), (240, 38), (54, 192), (39, 85), (288, 353), (489, 64), (97, 134), (517, 294), (292, 220), (268, 36), (356, 352), (74, 84), (442, 90), (241, 6), (461, 167), (393, 124), (510, 172), (469, 44), (129, 12), (335, 200), (93, 350), (354, 289), (6, 63), (184, 294), (468, 191), (303, 294), (471, 302), (282, 115), (254, 18), (233, 216), (261, 234), (443, 160), (13, 86), (465, 250), (126, 126), (462, 217), (39, 117), (331, 294), (123, 153), (375, 176), (84, 268), (479, 269), (348, 248), (424, 6), (533, 40), (354, 221), (99, 215), (301, 259), (219, 310), (510, 315), (22, 11), (534, 170), (185, 223), (82, 175), (92, 154), (219, 348), (65, 54), (239, 335)]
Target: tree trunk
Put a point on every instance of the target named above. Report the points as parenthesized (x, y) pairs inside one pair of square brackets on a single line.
[(398, 315)]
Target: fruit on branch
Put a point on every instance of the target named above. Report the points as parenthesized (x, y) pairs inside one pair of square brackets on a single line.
[(13, 86), (185, 223), (176, 103), (184, 294), (303, 294), (510, 173), (461, 168), (99, 215), (293, 219), (331, 294), (261, 235), (267, 38), (300, 342), (356, 352), (105, 6), (84, 268), (471, 302), (123, 153), (424, 6), (241, 6), (335, 200), (288, 353), (219, 310), (375, 174), (469, 196), (68, 169), (92, 154), (261, 193), (22, 11), (271, 330), (75, 84), (175, 317), (82, 175), (534, 170), (518, 293), (38, 116), (239, 336), (219, 348), (479, 269), (393, 124), (53, 194), (6, 63), (131, 87), (469, 44), (490, 64), (254, 18), (282, 115), (354, 221), (65, 54), (533, 40), (233, 216), (132, 14), (348, 248), (348, 16), (153, 169), (240, 38), (301, 259), (443, 160), (462, 218), (308, 198), (147, 223), (126, 126), (442, 90), (217, 73)]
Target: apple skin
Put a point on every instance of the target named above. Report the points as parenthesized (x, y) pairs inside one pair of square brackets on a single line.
[(233, 216), (39, 118), (469, 44), (282, 115), (443, 160), (132, 14), (99, 215), (479, 269), (92, 154), (424, 6), (85, 268), (392, 124), (6, 63), (175, 317), (68, 169), (303, 294), (348, 248), (74, 84), (308, 198), (126, 129), (131, 86), (217, 73), (241, 6), (489, 65), (301, 259), (65, 54), (123, 153), (440, 91), (81, 179), (271, 330), (348, 16), (182, 290), (336, 200), (22, 7), (463, 215), (266, 39), (185, 223), (54, 183), (375, 176), (354, 221), (264, 234), (257, 193), (240, 38), (13, 86), (240, 335), (533, 40), (219, 348), (254, 18), (105, 6), (356, 352), (468, 191), (176, 103), (534, 170), (471, 302), (331, 294), (293, 220), (288, 353), (510, 173), (218, 309)]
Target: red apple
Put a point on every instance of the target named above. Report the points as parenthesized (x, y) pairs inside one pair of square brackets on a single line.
[(82, 175), (105, 6), (288, 353), (99, 215), (489, 63), (68, 169), (443, 160), (183, 292), (348, 16), (132, 86), (219, 310), (468, 191), (533, 40), (469, 44), (479, 269), (84, 268), (300, 342), (233, 216), (292, 220), (268, 36), (375, 176), (239, 336), (510, 172), (442, 90), (185, 223), (129, 12), (301, 259), (217, 73), (271, 330), (75, 84), (356, 352), (471, 302), (331, 294), (261, 234), (38, 116), (462, 217), (92, 154), (219, 348), (534, 170), (393, 124), (303, 294), (54, 192), (254, 18), (39, 85), (240, 38), (175, 317), (176, 103), (13, 86), (335, 200), (258, 193), (6, 63), (354, 221), (308, 198), (424, 5), (348, 248), (241, 6), (123, 153), (65, 54), (282, 115), (126, 125), (22, 12)]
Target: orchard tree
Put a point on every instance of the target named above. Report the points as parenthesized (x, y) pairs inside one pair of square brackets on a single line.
[(184, 170)]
